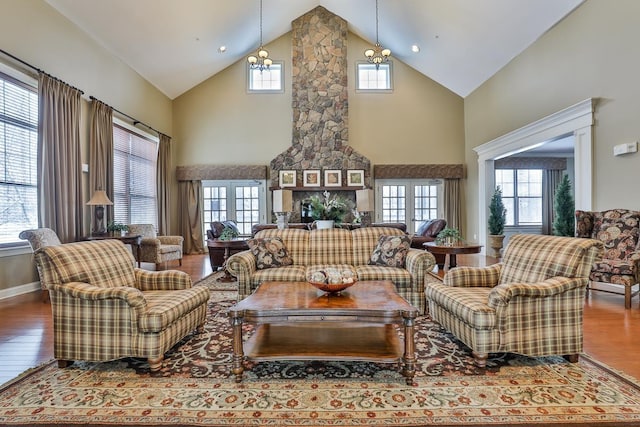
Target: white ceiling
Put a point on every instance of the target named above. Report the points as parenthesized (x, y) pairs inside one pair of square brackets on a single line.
[(174, 43)]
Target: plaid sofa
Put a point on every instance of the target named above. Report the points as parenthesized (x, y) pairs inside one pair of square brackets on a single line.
[(619, 231), (104, 309), (531, 303), (344, 249)]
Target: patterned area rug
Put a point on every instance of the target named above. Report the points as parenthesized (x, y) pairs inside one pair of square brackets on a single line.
[(213, 283), (195, 387)]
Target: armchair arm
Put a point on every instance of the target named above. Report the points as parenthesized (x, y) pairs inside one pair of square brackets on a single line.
[(171, 240), (418, 263), (634, 259), (150, 241), (501, 295), (81, 290), (167, 280), (464, 277), (242, 265)]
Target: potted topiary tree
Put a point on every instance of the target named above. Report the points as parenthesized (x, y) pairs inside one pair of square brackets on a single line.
[(564, 210), (497, 220)]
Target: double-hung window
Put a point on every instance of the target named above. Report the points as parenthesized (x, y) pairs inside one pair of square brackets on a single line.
[(134, 176), (18, 156), (521, 195)]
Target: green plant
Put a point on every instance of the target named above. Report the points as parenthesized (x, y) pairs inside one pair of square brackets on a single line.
[(497, 213), (448, 234), (228, 233), (329, 207), (116, 226), (564, 209)]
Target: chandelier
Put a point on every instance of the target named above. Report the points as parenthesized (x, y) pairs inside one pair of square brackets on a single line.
[(377, 55), (261, 60)]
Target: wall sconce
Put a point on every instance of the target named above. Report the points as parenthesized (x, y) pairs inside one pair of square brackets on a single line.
[(282, 207), (364, 205), (99, 200)]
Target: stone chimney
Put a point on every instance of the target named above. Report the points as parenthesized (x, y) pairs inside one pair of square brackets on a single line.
[(320, 100)]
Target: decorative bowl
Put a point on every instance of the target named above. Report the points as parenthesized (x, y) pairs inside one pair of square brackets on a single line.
[(333, 288)]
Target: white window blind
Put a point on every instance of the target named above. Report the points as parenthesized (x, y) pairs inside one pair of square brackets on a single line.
[(18, 158), (134, 171)]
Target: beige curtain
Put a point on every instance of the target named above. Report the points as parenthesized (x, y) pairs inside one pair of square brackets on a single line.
[(550, 180), (190, 217), (452, 203), (60, 203), (163, 184), (101, 155)]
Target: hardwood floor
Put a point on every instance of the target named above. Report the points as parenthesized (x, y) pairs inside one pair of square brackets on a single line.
[(26, 335)]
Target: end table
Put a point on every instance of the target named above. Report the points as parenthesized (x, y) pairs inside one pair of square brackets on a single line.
[(236, 243)]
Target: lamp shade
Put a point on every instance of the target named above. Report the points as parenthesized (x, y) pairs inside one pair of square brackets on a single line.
[(99, 198), (365, 201), (282, 200)]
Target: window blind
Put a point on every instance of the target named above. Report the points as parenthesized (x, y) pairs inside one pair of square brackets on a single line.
[(134, 170), (18, 158)]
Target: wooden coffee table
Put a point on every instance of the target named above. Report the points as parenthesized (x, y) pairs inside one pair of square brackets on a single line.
[(296, 321)]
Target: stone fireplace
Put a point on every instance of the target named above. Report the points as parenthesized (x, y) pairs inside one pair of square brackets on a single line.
[(320, 107)]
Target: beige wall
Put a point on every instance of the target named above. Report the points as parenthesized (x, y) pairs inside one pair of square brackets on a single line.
[(218, 122), (593, 53), (34, 32)]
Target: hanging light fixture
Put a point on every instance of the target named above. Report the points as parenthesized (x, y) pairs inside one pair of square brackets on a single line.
[(261, 60), (377, 55)]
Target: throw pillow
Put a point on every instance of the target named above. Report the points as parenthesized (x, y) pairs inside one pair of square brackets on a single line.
[(269, 252), (391, 251)]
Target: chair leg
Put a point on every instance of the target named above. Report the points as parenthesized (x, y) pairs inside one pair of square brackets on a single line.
[(180, 261), (155, 364), (158, 264), (64, 363), (480, 359), (627, 297), (573, 358), (45, 296)]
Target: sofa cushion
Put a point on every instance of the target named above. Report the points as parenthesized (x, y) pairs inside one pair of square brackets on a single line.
[(365, 240), (270, 252), (288, 273), (470, 307), (391, 251), (330, 246), (399, 276)]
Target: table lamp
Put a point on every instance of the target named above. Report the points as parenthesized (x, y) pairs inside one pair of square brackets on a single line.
[(99, 200), (282, 207), (364, 205)]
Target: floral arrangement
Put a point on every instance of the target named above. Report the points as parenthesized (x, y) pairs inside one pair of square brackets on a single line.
[(329, 207)]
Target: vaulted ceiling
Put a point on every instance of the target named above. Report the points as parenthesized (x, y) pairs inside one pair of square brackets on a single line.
[(174, 43)]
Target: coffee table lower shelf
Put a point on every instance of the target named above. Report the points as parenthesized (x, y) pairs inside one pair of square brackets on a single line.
[(325, 341)]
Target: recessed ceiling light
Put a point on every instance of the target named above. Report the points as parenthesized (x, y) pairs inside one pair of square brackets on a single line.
[(415, 48), (222, 49)]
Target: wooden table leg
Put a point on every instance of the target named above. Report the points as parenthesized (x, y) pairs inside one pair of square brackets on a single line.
[(409, 357), (238, 350), (227, 276)]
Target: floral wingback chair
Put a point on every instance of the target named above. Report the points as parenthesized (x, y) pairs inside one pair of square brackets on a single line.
[(40, 238), (619, 230)]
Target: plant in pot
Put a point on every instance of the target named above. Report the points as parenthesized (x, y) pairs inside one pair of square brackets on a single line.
[(327, 210), (228, 233), (448, 236), (497, 220), (117, 228), (564, 210)]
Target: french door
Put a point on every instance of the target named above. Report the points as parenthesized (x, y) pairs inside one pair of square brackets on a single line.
[(408, 201)]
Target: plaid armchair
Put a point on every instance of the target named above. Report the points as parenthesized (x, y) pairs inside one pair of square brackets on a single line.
[(619, 231), (157, 249), (531, 303), (105, 309)]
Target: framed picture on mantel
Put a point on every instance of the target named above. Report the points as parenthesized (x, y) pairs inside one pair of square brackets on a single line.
[(333, 178), (287, 178), (355, 177), (311, 178)]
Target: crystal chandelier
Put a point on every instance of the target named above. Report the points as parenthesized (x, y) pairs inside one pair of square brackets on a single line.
[(377, 55), (261, 60)]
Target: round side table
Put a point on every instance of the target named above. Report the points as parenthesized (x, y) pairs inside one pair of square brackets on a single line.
[(450, 252), (237, 243)]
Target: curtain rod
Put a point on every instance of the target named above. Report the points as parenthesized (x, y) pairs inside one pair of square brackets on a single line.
[(33, 67), (134, 120)]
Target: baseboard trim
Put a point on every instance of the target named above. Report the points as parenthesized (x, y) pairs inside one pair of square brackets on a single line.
[(19, 290)]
